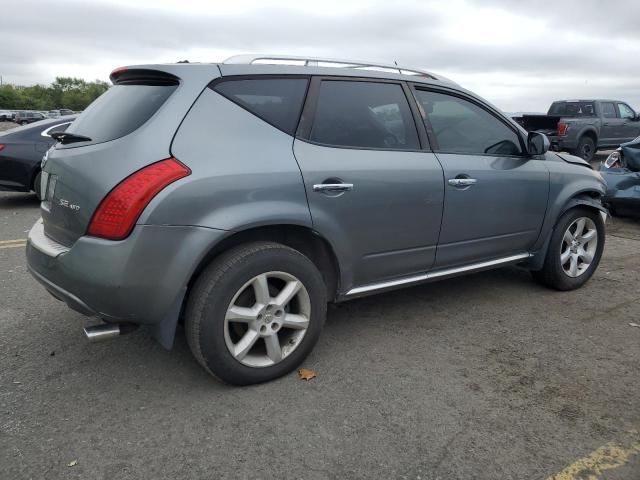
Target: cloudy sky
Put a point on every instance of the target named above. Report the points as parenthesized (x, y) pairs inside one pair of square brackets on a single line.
[(518, 54)]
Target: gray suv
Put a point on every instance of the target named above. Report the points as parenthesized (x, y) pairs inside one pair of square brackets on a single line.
[(241, 197)]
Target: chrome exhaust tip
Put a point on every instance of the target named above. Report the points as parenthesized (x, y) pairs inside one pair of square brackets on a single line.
[(106, 331), (101, 332)]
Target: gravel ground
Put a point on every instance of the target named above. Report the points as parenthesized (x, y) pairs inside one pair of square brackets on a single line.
[(488, 376), (6, 126)]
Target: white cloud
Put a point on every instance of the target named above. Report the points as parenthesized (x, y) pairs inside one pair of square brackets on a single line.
[(516, 54)]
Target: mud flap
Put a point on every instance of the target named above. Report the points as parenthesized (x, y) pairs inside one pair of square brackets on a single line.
[(165, 330)]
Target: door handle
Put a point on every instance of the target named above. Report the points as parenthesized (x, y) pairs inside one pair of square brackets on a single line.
[(462, 182), (333, 187)]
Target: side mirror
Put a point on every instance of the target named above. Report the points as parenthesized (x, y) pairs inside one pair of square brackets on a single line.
[(538, 143)]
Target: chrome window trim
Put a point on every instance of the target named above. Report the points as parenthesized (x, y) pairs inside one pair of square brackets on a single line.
[(45, 133)]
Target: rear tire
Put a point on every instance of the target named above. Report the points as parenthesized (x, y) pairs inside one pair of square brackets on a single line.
[(574, 252), (240, 325), (586, 148), (37, 186)]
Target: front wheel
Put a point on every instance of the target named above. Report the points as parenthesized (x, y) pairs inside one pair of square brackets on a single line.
[(256, 313), (574, 251)]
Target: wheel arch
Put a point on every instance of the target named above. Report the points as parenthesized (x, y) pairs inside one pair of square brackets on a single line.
[(589, 132), (589, 198), (301, 238)]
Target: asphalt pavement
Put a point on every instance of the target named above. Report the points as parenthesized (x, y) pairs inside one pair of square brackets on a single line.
[(488, 376)]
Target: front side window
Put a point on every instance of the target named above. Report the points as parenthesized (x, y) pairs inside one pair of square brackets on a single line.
[(278, 101), (608, 110), (460, 126), (625, 111), (361, 114)]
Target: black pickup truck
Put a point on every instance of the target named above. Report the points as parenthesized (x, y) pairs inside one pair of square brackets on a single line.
[(584, 126)]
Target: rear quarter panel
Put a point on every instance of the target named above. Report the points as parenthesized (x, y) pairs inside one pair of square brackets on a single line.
[(244, 173)]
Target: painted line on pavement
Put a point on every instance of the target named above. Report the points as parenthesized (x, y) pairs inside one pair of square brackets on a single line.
[(21, 244), (609, 456), (19, 240)]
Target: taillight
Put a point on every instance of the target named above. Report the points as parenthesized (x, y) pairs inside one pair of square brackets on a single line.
[(1, 147), (562, 129), (119, 210)]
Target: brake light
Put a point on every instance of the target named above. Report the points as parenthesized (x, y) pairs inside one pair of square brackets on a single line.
[(118, 71), (119, 210), (1, 147), (562, 129)]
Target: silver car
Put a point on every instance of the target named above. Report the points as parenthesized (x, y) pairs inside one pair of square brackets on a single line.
[(241, 197)]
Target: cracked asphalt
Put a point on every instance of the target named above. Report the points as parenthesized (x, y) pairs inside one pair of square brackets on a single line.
[(488, 376)]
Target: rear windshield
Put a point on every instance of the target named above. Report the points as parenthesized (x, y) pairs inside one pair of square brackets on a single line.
[(572, 109), (120, 110)]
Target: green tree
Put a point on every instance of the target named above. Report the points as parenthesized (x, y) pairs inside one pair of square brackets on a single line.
[(64, 92)]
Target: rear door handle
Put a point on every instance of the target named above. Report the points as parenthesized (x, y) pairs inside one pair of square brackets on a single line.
[(333, 187), (462, 182)]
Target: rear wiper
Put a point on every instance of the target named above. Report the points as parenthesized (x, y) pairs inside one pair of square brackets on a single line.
[(66, 137)]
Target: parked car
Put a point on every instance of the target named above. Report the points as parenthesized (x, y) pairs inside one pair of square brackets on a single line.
[(5, 115), (242, 197), (21, 152), (621, 170), (59, 113), (584, 126), (23, 118)]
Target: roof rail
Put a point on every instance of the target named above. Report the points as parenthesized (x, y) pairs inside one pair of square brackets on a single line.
[(326, 62)]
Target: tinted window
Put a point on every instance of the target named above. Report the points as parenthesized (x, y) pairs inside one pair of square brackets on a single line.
[(608, 110), (364, 114), (461, 126), (120, 110), (625, 111), (275, 100), (572, 109)]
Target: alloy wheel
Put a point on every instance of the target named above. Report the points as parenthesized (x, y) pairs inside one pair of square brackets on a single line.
[(578, 247), (267, 319)]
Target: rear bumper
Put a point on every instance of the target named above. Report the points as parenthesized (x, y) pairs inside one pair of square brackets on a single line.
[(560, 144), (139, 280)]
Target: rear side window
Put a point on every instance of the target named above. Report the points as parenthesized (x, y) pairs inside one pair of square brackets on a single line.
[(608, 110), (277, 101), (120, 110), (364, 115), (573, 109)]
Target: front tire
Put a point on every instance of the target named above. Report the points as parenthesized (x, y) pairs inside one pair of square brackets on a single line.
[(255, 313), (574, 251)]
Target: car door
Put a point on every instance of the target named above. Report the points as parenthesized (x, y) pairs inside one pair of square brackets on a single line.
[(374, 190), (495, 195), (610, 130), (630, 127)]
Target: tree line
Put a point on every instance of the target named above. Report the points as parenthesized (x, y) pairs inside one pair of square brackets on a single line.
[(65, 92)]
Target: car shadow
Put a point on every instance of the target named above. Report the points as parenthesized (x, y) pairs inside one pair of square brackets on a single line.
[(18, 201)]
